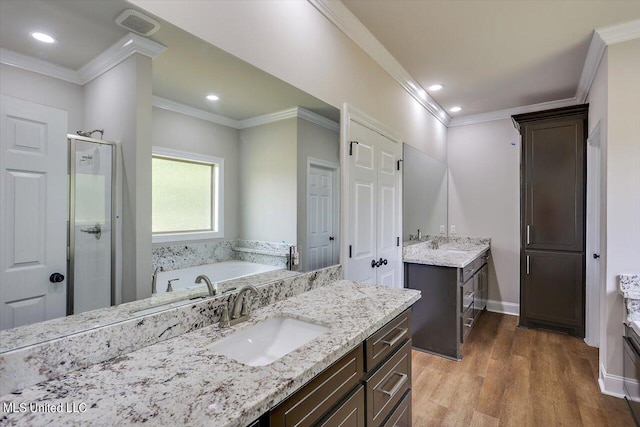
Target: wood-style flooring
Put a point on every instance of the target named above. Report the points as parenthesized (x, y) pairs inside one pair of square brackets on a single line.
[(513, 377)]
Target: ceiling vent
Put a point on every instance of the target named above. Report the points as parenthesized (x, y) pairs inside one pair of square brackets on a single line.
[(137, 22)]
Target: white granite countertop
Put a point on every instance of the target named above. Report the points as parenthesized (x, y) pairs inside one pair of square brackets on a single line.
[(182, 382), (453, 254)]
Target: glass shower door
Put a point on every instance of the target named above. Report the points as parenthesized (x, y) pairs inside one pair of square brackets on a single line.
[(91, 225)]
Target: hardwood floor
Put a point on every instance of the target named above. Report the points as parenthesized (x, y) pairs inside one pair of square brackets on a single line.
[(513, 377)]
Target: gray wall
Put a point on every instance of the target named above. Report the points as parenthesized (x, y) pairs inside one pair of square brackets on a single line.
[(45, 90), (320, 143), (181, 132), (120, 102), (268, 206)]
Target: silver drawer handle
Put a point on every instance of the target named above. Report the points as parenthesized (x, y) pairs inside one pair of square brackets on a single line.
[(470, 294), (398, 385), (397, 338), (470, 324)]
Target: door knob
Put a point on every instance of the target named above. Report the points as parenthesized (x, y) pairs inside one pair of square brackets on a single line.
[(596, 256), (332, 238), (373, 263), (56, 278), (385, 261)]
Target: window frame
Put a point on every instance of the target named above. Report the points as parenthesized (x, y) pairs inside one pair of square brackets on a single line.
[(217, 208)]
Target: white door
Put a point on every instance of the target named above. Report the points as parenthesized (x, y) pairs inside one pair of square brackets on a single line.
[(33, 212), (321, 221), (373, 206), (594, 262)]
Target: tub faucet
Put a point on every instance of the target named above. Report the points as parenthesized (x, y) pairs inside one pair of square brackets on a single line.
[(154, 280), (210, 286)]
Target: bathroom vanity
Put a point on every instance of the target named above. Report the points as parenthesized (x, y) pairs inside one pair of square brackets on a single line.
[(452, 275), (187, 380)]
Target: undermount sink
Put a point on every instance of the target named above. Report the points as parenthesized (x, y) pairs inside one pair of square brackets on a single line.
[(456, 251), (167, 306), (268, 341)]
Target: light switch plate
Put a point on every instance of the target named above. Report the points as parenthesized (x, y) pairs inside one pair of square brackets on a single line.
[(443, 229), (452, 230)]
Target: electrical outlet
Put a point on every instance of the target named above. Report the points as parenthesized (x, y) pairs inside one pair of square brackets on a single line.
[(452, 229), (443, 229)]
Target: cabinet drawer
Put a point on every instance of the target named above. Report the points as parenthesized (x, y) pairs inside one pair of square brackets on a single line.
[(384, 342), (466, 273), (466, 322), (387, 385), (467, 293), (350, 413), (401, 416), (318, 396)]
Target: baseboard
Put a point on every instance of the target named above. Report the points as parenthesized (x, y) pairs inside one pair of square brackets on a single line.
[(503, 307), (611, 385)]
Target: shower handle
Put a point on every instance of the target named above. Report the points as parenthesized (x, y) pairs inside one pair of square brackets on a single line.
[(96, 230)]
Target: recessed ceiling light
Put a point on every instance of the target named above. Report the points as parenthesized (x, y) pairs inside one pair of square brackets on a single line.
[(42, 37), (213, 97), (455, 109), (435, 88)]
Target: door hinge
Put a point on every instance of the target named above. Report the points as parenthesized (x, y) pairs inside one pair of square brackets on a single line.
[(398, 164), (349, 251), (351, 147), (397, 241)]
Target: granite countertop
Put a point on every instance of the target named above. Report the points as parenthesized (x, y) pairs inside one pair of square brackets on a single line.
[(447, 254), (181, 381)]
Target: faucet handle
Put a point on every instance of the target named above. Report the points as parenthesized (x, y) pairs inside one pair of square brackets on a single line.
[(225, 321), (169, 287), (246, 308)]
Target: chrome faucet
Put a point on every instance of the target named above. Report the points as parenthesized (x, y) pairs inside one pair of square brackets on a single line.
[(419, 234), (241, 309), (210, 286), (169, 286), (154, 280)]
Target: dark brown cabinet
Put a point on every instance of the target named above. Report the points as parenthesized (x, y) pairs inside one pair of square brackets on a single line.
[(553, 186), (367, 387)]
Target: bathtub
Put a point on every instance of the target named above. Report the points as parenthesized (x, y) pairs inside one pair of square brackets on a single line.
[(218, 272)]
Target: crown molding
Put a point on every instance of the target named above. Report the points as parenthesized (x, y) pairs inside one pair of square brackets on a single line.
[(176, 107), (319, 120), (295, 112), (348, 23), (40, 66), (620, 32), (118, 52), (591, 64), (507, 113)]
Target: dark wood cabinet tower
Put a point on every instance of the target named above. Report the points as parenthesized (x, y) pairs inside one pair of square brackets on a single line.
[(553, 212)]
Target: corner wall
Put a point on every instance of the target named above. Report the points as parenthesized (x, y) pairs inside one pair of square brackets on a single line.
[(484, 200)]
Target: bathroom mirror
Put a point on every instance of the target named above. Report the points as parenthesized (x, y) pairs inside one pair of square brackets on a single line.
[(424, 195), (246, 176)]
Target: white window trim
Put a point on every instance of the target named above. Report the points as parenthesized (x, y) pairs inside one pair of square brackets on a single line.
[(217, 212)]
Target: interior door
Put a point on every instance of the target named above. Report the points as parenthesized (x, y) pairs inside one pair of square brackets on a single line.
[(387, 207), (320, 216), (363, 202), (33, 212), (374, 208)]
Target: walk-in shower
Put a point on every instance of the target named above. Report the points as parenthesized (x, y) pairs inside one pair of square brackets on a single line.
[(91, 240)]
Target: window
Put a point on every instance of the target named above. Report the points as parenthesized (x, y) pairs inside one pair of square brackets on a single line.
[(187, 202)]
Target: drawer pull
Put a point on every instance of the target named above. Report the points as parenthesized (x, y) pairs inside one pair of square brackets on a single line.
[(470, 294), (397, 338), (470, 323), (398, 385)]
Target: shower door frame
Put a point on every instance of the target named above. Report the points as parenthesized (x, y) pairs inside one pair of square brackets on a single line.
[(72, 217)]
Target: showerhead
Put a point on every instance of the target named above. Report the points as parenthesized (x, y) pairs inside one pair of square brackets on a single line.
[(88, 133)]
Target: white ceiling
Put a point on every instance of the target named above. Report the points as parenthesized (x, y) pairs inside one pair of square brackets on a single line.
[(185, 72), (492, 55)]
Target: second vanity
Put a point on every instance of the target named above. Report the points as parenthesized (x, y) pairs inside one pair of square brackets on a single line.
[(364, 350), (452, 274)]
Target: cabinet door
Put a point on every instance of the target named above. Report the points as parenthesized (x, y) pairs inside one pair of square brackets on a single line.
[(350, 413), (552, 291), (554, 185)]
